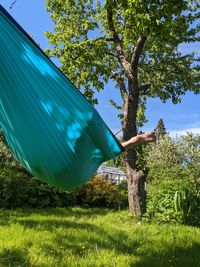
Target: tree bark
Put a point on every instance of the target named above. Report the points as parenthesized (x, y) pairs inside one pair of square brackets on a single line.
[(135, 178), (136, 188)]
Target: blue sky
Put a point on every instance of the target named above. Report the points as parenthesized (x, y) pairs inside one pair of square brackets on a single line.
[(178, 119)]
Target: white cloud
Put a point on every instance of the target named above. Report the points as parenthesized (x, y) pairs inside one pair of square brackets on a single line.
[(175, 133)]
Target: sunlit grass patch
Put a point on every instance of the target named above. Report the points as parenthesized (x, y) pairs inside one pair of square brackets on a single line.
[(93, 237)]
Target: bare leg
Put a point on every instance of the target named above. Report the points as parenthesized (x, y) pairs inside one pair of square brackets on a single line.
[(141, 138)]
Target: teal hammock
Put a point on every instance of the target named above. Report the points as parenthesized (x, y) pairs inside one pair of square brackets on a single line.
[(50, 127)]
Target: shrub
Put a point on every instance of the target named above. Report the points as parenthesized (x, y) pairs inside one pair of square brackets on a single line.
[(13, 188), (99, 192), (19, 189), (173, 201), (174, 180)]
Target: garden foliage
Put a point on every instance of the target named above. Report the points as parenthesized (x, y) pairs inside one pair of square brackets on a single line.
[(172, 170), (99, 192), (19, 189), (173, 192)]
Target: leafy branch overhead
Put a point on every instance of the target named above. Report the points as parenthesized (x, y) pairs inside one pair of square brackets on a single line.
[(117, 40)]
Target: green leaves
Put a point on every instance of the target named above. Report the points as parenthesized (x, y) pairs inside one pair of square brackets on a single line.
[(181, 204), (173, 180), (83, 42)]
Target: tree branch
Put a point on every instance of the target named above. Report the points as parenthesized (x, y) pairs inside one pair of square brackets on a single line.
[(111, 27), (111, 54), (114, 104), (137, 50), (144, 89), (103, 38), (121, 84), (118, 43)]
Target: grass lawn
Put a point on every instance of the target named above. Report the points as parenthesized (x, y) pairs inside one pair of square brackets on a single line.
[(93, 237)]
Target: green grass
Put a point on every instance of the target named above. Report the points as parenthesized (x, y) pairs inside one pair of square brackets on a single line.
[(93, 237)]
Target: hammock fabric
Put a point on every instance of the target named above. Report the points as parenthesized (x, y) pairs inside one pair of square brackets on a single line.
[(50, 127)]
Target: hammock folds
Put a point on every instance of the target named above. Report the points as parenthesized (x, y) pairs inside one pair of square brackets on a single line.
[(50, 127)]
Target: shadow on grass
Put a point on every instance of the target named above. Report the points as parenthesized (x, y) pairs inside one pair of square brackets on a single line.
[(24, 212), (173, 256), (4, 217), (13, 257), (118, 240), (82, 238), (8, 216), (92, 234)]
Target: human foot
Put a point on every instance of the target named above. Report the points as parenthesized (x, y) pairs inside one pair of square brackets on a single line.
[(149, 137)]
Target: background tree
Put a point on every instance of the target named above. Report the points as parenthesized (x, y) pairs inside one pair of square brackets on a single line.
[(134, 43), (160, 129)]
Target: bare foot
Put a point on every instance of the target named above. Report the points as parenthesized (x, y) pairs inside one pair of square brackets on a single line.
[(149, 137)]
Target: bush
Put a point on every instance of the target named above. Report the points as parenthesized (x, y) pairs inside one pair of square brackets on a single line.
[(173, 201), (174, 180), (19, 189), (99, 192), (13, 188)]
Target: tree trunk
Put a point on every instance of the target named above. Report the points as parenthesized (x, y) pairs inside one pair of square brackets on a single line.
[(136, 188), (135, 178)]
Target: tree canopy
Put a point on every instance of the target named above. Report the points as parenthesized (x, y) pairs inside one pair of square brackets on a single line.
[(96, 41)]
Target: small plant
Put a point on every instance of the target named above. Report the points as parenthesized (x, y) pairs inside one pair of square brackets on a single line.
[(182, 205)]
